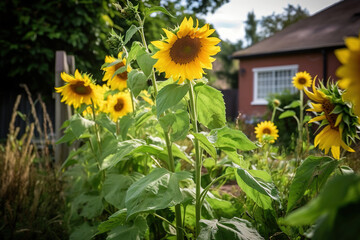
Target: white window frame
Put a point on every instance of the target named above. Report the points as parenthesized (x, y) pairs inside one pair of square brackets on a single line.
[(256, 71)]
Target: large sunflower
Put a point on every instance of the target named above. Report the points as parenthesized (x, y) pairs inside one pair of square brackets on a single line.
[(266, 129), (301, 80), (112, 65), (332, 112), (118, 105), (79, 89), (184, 54), (349, 71)]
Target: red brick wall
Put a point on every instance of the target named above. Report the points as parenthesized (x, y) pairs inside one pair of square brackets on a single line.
[(310, 62)]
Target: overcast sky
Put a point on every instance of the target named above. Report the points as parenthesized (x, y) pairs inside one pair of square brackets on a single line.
[(229, 19)]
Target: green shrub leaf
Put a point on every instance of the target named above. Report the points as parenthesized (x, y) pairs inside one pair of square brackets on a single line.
[(225, 229), (169, 96), (210, 106), (157, 190)]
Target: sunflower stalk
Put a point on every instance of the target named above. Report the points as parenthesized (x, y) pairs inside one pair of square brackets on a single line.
[(179, 231), (143, 39), (198, 161)]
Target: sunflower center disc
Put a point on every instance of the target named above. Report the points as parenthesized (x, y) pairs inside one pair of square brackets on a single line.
[(328, 107), (119, 105), (302, 81), (266, 131), (185, 50), (80, 88), (122, 75)]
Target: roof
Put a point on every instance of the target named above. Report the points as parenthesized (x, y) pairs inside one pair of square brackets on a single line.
[(325, 29)]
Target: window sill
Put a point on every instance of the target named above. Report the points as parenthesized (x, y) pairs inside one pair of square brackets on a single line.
[(259, 102)]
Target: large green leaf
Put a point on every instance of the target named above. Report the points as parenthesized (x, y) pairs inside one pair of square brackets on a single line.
[(83, 232), (314, 171), (231, 139), (339, 190), (226, 229), (137, 81), (258, 186), (116, 219), (132, 230), (157, 190), (130, 33), (210, 106), (88, 205), (169, 96), (121, 150), (115, 187), (206, 144), (145, 61), (176, 123), (104, 121)]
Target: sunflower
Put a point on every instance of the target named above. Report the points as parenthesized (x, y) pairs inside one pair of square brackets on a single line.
[(266, 130), (184, 54), (349, 71), (112, 65), (332, 112), (118, 105), (301, 80), (79, 89)]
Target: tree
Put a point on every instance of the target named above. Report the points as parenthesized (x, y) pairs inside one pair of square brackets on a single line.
[(251, 34), (276, 22), (229, 69), (34, 30)]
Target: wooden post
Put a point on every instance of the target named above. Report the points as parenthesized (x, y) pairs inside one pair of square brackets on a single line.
[(63, 112)]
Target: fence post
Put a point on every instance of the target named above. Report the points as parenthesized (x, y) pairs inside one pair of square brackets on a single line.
[(63, 63)]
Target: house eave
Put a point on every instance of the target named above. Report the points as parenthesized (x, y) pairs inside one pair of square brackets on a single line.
[(286, 52)]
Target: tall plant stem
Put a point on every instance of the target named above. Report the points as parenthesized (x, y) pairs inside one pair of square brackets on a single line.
[(198, 162), (179, 228), (301, 122), (142, 34)]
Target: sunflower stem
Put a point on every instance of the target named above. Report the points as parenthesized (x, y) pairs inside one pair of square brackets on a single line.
[(143, 39), (179, 231), (198, 162), (301, 120)]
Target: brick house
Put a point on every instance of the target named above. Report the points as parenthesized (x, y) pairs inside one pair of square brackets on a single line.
[(268, 66)]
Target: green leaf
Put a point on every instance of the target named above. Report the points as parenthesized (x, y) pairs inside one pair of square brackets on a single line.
[(286, 114), (137, 81), (313, 171), (176, 123), (225, 229), (151, 10), (293, 104), (169, 96), (134, 50), (115, 187), (158, 190), (145, 61), (79, 125), (206, 144), (89, 205), (132, 230), (83, 232), (122, 149), (258, 186), (339, 191), (104, 121), (231, 139), (125, 123), (130, 33), (116, 219), (210, 106)]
